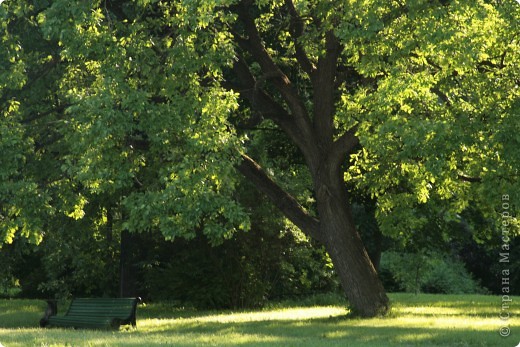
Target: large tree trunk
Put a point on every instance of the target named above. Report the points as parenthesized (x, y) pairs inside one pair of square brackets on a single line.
[(335, 229), (358, 277), (355, 270)]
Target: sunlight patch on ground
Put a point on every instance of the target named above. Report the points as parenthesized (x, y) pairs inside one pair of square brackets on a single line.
[(432, 311), (292, 314), (439, 321), (287, 314), (414, 321), (443, 311), (415, 337)]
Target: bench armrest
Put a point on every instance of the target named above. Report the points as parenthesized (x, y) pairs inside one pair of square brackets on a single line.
[(51, 310)]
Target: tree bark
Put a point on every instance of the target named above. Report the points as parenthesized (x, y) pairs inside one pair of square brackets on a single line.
[(280, 198)]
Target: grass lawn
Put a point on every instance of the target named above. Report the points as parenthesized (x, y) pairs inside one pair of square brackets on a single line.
[(423, 320)]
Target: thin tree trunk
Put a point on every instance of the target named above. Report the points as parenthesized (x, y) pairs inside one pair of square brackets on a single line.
[(128, 276)]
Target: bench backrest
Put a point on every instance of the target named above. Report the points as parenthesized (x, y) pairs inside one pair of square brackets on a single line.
[(122, 308)]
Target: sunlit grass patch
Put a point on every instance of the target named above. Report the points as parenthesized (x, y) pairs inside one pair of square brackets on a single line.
[(298, 313)]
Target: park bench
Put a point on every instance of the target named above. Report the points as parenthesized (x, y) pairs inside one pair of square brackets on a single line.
[(93, 313)]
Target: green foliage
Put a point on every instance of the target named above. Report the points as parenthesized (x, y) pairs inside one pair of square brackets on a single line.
[(199, 275), (79, 258), (427, 272), (75, 264), (9, 283), (439, 109), (305, 269), (120, 76), (245, 271), (124, 114)]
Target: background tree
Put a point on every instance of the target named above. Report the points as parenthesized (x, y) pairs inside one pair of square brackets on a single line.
[(157, 103)]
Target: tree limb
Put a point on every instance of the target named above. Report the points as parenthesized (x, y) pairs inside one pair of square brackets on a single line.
[(343, 146), (39, 115), (251, 90), (275, 75), (261, 102), (296, 30), (469, 179), (287, 204), (324, 88), (441, 95)]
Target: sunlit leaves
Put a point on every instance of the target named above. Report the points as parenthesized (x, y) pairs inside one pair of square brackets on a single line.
[(446, 85), (148, 116), (19, 196), (12, 72)]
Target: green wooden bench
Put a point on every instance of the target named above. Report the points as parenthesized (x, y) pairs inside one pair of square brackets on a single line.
[(93, 313)]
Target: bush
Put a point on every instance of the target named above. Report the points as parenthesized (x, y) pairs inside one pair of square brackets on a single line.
[(17, 264), (194, 273), (245, 271), (427, 272), (9, 287)]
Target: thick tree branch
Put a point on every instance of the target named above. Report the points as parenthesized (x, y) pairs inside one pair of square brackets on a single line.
[(275, 75), (469, 179), (39, 115), (250, 89), (441, 95), (324, 88), (261, 102), (280, 198), (266, 107), (343, 146)]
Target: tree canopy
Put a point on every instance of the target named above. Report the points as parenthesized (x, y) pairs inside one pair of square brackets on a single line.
[(150, 108)]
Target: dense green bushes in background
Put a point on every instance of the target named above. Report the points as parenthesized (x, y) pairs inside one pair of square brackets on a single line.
[(271, 261), (81, 258), (245, 271)]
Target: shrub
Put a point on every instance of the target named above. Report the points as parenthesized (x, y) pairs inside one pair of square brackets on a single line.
[(245, 271), (428, 272)]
